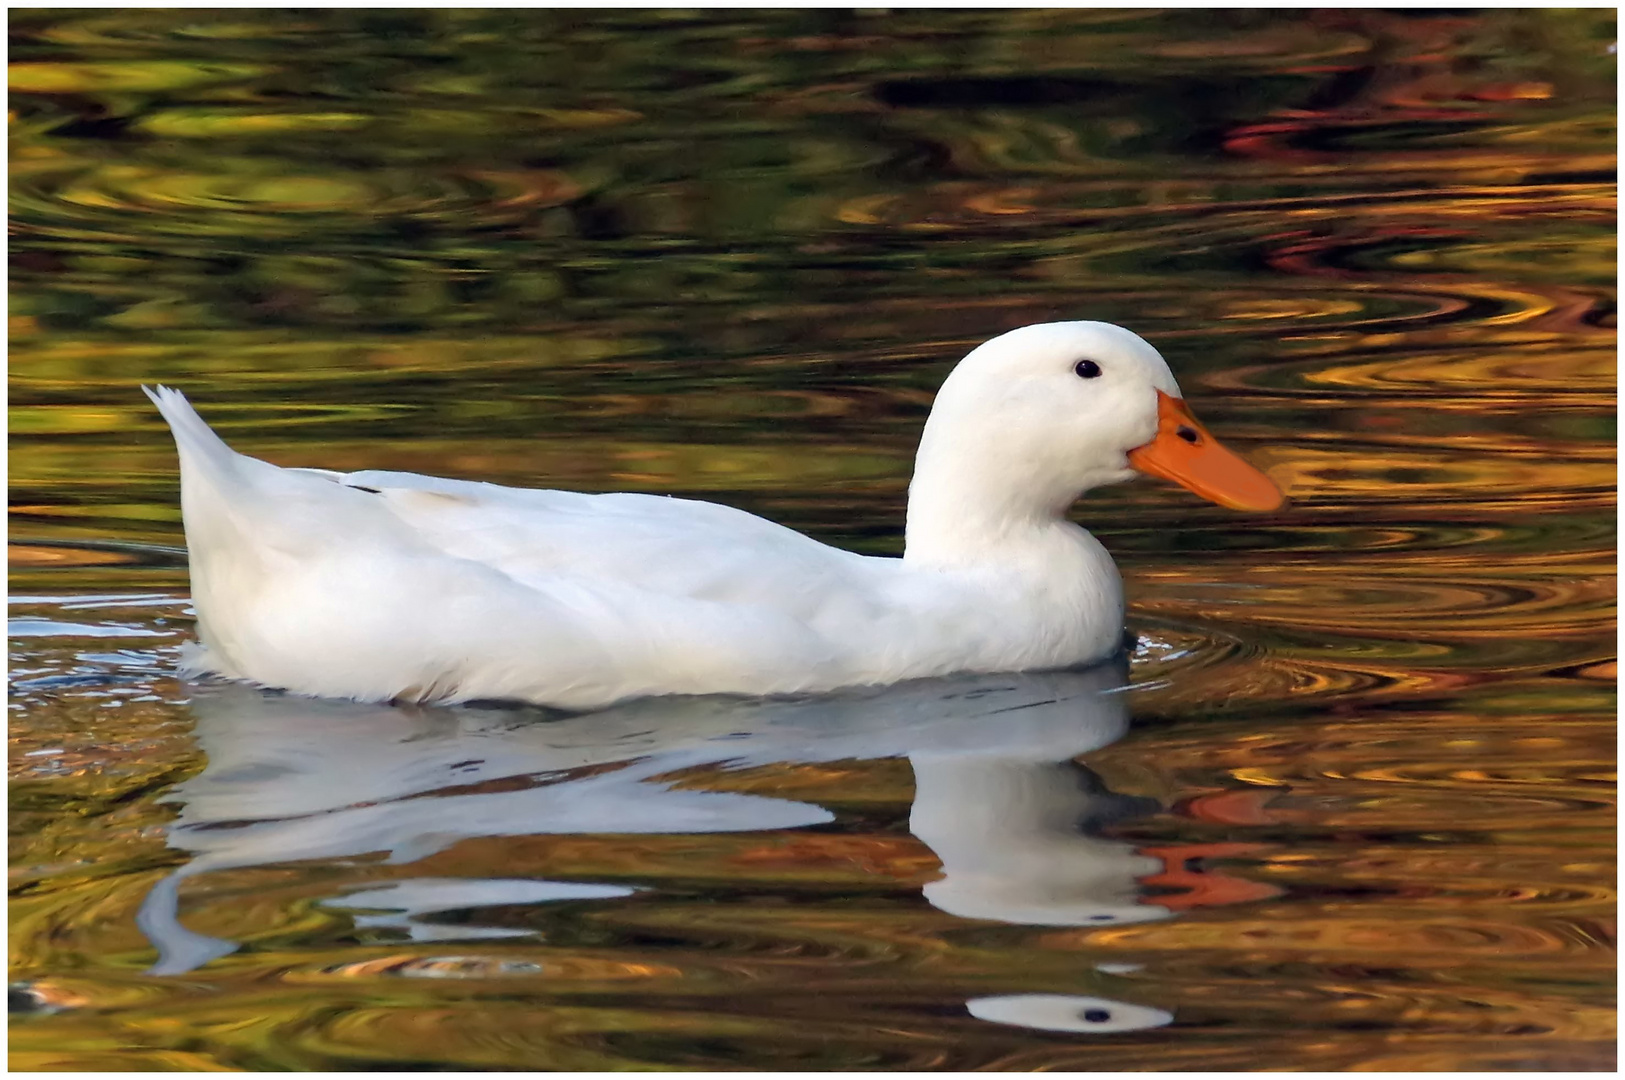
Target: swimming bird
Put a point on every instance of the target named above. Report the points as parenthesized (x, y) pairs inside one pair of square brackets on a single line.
[(391, 586)]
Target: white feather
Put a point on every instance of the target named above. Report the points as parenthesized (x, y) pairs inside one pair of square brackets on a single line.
[(441, 590)]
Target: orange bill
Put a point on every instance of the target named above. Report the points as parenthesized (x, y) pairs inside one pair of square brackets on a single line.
[(1185, 453)]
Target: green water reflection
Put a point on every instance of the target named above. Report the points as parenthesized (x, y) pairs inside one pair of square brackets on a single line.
[(1368, 788)]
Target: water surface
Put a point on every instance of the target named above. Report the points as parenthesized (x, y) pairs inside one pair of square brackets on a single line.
[(1349, 805)]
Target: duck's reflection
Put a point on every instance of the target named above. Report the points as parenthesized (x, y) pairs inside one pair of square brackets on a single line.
[(998, 799)]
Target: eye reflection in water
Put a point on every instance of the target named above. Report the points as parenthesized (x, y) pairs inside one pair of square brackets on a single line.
[(998, 799)]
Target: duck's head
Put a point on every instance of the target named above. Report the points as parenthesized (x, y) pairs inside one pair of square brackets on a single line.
[(1054, 409)]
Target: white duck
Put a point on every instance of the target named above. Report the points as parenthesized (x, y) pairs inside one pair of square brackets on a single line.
[(392, 586)]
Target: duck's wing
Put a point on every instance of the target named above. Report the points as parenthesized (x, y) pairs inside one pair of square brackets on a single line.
[(680, 548), (675, 547)]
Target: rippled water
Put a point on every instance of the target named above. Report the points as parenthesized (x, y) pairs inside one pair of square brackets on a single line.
[(1353, 805)]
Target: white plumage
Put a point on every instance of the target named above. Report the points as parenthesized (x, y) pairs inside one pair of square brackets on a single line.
[(385, 585)]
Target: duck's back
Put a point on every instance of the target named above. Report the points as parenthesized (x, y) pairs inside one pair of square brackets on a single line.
[(670, 546)]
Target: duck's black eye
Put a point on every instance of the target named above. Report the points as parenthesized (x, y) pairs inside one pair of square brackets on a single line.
[(1087, 369)]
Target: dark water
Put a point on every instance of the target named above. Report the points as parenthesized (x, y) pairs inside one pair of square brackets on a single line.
[(1354, 807)]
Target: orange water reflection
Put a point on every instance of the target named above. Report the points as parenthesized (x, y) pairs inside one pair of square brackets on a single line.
[(1364, 815)]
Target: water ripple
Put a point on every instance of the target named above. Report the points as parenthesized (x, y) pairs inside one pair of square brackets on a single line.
[(1364, 813)]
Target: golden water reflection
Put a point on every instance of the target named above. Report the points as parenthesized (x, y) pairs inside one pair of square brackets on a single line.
[(1358, 807)]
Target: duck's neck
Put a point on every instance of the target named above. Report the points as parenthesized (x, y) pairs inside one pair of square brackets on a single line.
[(967, 509)]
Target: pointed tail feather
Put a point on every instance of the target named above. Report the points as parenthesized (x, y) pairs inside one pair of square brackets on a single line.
[(239, 505), (195, 440)]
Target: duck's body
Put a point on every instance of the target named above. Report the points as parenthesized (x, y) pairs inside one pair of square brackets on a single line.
[(382, 585)]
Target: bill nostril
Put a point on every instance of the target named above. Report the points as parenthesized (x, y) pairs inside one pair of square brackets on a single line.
[(1188, 434)]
